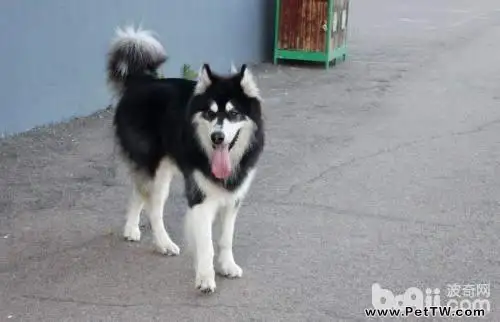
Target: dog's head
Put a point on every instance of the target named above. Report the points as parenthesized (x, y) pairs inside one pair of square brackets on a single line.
[(226, 113)]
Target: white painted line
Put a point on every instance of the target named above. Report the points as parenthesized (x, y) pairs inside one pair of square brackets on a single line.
[(378, 62), (458, 11), (412, 20), (468, 20)]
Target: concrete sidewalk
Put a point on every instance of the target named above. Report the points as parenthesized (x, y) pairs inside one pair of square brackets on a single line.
[(384, 170)]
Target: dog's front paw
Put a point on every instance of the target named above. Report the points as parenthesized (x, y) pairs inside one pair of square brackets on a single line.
[(229, 269), (205, 283), (132, 233), (167, 247)]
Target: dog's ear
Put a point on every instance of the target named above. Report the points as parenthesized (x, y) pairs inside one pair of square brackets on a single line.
[(247, 83), (205, 79), (243, 68)]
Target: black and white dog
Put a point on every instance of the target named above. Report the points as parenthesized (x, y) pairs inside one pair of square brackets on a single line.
[(209, 130)]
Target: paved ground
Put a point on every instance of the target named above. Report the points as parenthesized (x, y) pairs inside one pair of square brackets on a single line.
[(382, 170)]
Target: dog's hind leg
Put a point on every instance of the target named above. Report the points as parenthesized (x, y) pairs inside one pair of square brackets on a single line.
[(136, 203), (226, 264), (158, 195), (199, 220)]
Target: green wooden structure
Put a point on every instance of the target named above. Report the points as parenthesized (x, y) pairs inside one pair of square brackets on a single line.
[(311, 30)]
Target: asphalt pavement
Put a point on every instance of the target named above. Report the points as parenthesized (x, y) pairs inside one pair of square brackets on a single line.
[(383, 169)]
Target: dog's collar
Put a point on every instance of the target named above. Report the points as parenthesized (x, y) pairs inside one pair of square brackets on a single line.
[(233, 142)]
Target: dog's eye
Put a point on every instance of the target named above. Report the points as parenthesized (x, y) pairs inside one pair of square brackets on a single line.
[(233, 114), (209, 114)]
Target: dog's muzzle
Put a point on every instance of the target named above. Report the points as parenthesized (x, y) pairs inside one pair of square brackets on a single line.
[(218, 138)]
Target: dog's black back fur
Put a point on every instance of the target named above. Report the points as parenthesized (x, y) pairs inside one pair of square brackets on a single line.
[(148, 120)]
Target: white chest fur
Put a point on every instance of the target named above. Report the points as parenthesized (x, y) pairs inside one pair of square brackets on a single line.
[(215, 192)]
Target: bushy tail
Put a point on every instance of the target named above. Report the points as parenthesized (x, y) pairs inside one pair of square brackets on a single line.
[(133, 52)]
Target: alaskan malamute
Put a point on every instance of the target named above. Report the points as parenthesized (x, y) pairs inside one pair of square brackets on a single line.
[(209, 130)]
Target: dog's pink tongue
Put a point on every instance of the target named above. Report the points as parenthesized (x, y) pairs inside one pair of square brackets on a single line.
[(221, 164)]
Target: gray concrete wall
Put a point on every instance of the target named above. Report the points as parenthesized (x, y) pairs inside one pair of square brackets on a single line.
[(53, 51)]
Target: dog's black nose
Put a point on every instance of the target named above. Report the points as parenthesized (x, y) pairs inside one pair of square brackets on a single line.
[(217, 137)]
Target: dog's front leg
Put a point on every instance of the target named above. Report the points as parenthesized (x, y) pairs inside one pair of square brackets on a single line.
[(199, 221), (226, 264)]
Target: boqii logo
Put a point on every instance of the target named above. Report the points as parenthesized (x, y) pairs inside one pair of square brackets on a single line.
[(459, 300), (412, 297)]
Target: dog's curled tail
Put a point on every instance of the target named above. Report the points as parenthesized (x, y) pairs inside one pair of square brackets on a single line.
[(133, 52)]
